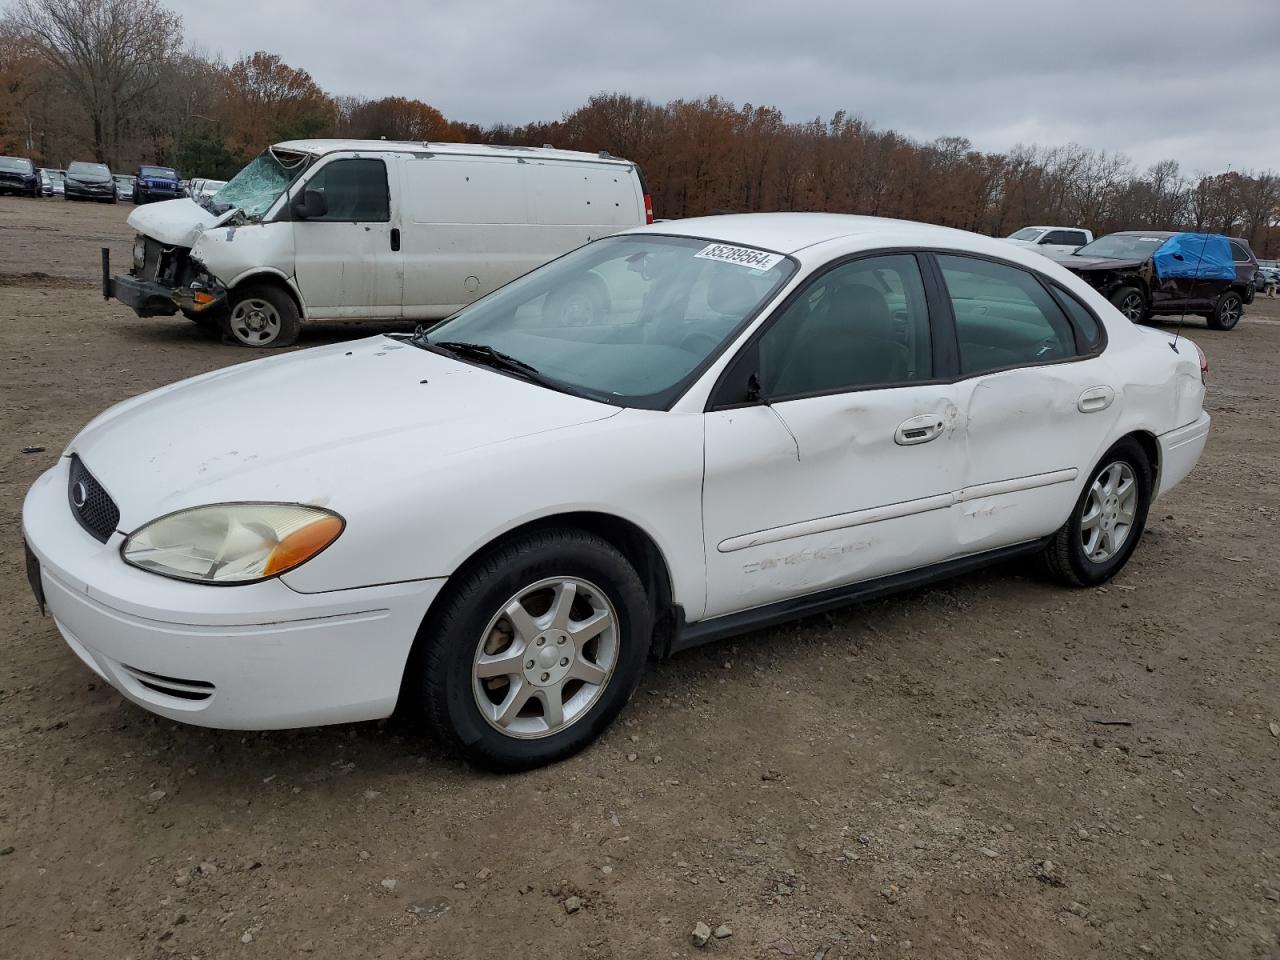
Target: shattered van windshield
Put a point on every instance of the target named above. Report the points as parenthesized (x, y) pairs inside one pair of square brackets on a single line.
[(255, 188)]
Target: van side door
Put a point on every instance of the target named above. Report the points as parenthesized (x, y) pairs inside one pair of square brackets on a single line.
[(347, 260)]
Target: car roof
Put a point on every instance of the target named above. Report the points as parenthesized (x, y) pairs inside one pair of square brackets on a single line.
[(319, 147), (1146, 233), (791, 232)]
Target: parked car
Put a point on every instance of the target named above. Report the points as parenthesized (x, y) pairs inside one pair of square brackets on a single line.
[(124, 186), (374, 230), (1145, 273), (18, 176), (497, 521), (1265, 277), (1051, 240), (51, 182), (156, 183), (208, 188), (89, 181)]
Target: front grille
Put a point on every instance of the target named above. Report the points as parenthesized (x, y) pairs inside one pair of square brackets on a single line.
[(91, 504), (193, 690)]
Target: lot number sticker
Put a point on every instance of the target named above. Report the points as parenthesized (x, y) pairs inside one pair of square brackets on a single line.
[(742, 256)]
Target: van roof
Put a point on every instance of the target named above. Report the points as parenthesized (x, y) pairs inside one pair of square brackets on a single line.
[(319, 147)]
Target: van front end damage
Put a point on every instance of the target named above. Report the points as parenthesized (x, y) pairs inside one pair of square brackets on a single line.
[(162, 281)]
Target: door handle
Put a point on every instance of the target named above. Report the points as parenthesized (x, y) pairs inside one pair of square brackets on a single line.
[(921, 429), (1095, 399), (395, 238)]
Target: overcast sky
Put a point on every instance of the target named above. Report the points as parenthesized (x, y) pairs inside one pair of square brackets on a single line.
[(1193, 80)]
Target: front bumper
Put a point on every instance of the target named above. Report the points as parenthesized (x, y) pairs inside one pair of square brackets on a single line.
[(253, 657), (148, 298)]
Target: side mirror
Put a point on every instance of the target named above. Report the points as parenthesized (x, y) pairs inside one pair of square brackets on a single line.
[(309, 204)]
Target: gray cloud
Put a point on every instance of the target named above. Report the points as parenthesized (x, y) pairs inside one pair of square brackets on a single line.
[(1182, 78)]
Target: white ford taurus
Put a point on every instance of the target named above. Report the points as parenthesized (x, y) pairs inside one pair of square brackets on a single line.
[(664, 437)]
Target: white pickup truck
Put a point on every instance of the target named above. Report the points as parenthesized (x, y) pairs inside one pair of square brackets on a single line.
[(1051, 240)]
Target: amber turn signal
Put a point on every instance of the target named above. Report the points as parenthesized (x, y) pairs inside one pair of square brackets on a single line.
[(301, 545)]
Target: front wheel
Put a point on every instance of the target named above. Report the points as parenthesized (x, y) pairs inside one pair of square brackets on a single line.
[(1130, 302), (1227, 311), (1107, 521), (262, 315), (534, 652)]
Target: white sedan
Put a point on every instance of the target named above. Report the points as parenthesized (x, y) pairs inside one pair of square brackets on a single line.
[(495, 522)]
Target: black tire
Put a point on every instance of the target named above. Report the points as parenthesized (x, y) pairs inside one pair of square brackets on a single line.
[(583, 303), (1227, 311), (286, 311), (439, 678), (1064, 556), (1131, 302)]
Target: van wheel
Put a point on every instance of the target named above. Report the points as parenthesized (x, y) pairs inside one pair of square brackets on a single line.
[(1130, 302), (581, 304), (262, 315), (1227, 311), (1107, 522), (534, 651)]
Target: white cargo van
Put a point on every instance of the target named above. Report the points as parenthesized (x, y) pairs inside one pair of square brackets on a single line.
[(371, 229)]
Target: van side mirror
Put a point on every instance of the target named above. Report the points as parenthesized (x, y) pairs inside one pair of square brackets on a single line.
[(309, 205)]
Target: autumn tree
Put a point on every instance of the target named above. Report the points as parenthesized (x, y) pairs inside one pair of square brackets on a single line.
[(266, 100), (109, 52)]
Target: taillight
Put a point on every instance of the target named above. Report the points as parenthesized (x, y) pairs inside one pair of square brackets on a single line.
[(648, 208), (1204, 363)]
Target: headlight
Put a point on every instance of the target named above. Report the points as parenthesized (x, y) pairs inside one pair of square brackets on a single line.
[(232, 543)]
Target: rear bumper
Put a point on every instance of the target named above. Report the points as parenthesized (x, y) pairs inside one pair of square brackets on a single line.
[(261, 656), (1180, 451)]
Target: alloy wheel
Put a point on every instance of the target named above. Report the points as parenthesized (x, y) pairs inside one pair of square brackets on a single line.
[(1109, 511), (1133, 307), (1229, 313), (545, 657)]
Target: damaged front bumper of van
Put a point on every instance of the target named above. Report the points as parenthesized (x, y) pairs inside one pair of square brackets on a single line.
[(152, 298)]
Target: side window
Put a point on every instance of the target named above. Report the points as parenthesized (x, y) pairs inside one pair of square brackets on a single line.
[(1004, 317), (1086, 323), (863, 324), (1238, 253), (1056, 236), (1074, 238), (355, 190)]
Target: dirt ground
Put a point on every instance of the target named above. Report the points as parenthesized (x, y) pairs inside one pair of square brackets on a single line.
[(887, 781)]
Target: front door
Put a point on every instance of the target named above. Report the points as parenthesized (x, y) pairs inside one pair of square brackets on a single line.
[(347, 261), (845, 472)]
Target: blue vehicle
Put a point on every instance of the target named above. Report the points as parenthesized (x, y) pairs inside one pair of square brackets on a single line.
[(155, 183)]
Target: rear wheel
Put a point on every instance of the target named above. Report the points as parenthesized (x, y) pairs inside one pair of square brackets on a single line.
[(262, 315), (1107, 522), (1227, 311), (1130, 302), (534, 651)]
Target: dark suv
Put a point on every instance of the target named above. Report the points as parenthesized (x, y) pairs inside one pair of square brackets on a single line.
[(155, 183), (89, 181), (19, 175), (1150, 272)]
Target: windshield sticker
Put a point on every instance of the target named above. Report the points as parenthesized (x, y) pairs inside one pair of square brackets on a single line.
[(742, 256)]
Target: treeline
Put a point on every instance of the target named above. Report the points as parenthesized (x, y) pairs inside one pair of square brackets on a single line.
[(111, 79)]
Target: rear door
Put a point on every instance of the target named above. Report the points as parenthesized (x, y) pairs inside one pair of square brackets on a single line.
[(346, 261), (1036, 395), (1063, 241)]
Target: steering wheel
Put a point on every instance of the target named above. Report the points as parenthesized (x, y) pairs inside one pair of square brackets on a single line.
[(698, 342)]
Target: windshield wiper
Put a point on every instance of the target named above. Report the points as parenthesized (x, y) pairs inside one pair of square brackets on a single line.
[(484, 354)]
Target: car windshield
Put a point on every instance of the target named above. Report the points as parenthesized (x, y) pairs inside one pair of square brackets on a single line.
[(165, 172), (255, 188), (98, 170), (1026, 233), (1122, 246), (628, 320), (15, 163)]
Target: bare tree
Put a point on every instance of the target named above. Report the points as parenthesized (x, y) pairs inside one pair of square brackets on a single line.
[(109, 52)]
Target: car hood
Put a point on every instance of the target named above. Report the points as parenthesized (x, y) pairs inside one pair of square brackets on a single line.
[(175, 222), (307, 427), (89, 179), (1081, 264)]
